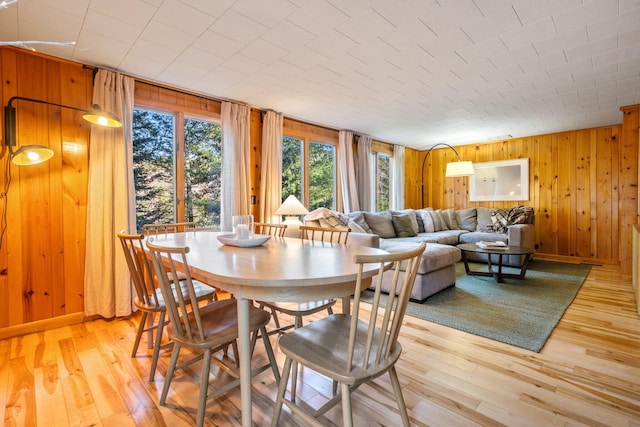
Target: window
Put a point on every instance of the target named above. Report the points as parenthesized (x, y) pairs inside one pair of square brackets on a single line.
[(309, 172), (177, 169), (382, 171)]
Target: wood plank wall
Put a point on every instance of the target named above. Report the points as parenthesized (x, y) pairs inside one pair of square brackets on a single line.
[(583, 186), (42, 253)]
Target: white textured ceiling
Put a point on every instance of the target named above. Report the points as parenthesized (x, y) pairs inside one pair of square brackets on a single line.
[(412, 72)]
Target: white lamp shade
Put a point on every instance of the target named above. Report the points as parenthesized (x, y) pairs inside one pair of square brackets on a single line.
[(460, 168), (291, 206)]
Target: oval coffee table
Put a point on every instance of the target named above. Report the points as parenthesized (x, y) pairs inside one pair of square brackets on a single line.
[(499, 276)]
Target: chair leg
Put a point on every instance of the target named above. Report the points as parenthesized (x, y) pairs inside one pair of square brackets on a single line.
[(204, 387), (157, 345), (170, 371), (270, 354), (150, 327), (347, 416), (282, 389), (402, 407), (141, 327), (294, 371)]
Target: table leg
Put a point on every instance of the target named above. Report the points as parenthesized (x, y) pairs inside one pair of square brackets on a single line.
[(346, 304), (245, 359), (499, 276), (465, 262)]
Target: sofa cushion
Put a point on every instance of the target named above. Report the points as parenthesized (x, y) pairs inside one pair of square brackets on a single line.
[(358, 218), (484, 219), (467, 219), (427, 221), (402, 225), (449, 217), (412, 216), (438, 220), (448, 237), (380, 223), (479, 236), (434, 257)]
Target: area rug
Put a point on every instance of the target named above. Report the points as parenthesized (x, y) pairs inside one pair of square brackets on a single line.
[(522, 313)]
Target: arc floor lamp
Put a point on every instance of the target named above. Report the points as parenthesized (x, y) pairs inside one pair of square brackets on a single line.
[(458, 168), (34, 154)]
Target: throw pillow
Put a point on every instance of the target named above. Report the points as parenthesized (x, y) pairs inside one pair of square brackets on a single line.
[(403, 225), (380, 224), (449, 216), (355, 228), (467, 219), (438, 220), (412, 216), (499, 221), (358, 218), (331, 222), (520, 215), (427, 221), (484, 219)]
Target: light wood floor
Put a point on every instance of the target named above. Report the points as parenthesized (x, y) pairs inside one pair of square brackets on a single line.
[(588, 374)]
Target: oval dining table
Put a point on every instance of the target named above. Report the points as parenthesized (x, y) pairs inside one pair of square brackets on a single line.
[(282, 269)]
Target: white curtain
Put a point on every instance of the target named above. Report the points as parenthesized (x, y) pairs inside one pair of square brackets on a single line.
[(347, 172), (363, 174), (236, 165), (110, 201), (271, 169), (397, 189)]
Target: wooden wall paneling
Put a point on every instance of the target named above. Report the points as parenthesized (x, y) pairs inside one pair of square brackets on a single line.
[(7, 292), (615, 194), (412, 162), (583, 193), (467, 153), (628, 167), (544, 189), (576, 177), (601, 194), (54, 288), (566, 188), (77, 91), (33, 185)]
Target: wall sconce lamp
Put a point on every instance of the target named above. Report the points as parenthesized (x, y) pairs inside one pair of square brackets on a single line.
[(34, 154), (459, 168)]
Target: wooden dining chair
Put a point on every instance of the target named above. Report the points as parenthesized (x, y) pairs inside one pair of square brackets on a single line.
[(202, 330), (325, 234), (276, 230), (174, 227), (148, 298), (348, 349), (298, 310)]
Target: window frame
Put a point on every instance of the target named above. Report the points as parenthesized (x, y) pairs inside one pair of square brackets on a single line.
[(179, 112), (311, 134), (380, 148)]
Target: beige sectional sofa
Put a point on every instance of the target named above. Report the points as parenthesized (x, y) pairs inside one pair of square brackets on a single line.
[(442, 229)]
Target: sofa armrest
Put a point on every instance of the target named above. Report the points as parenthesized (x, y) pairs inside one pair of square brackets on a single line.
[(364, 239), (521, 235)]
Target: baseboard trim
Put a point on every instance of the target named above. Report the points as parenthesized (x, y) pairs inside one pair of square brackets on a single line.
[(41, 325)]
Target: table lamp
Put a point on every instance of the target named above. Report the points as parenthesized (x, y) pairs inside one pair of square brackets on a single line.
[(291, 208)]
